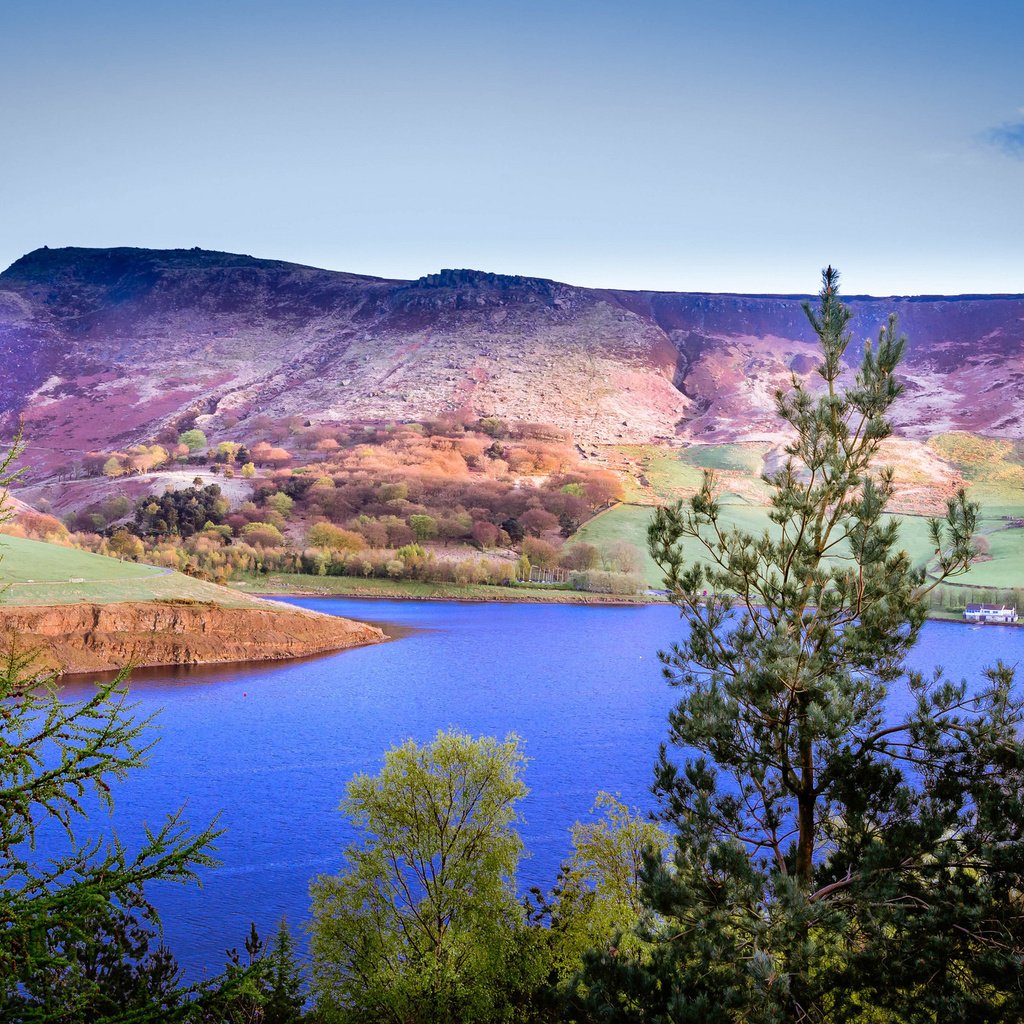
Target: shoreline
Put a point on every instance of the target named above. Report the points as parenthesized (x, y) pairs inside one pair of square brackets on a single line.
[(386, 590), (611, 602), (278, 586), (68, 640)]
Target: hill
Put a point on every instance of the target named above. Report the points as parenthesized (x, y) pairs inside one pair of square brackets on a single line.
[(105, 347), (80, 612), (35, 573)]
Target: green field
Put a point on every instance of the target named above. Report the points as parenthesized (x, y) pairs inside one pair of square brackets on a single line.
[(630, 522), (351, 586), (669, 475), (993, 469), (35, 573), (743, 457)]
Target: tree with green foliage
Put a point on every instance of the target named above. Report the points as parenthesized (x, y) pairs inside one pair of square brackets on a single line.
[(833, 860), (194, 439), (261, 985), (596, 902), (281, 503), (123, 544), (420, 924), (227, 451), (183, 512), (424, 527), (335, 538), (75, 929)]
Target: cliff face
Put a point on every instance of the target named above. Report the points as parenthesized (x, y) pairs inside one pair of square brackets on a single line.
[(101, 638)]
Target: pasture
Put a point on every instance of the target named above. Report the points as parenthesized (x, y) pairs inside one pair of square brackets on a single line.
[(36, 573)]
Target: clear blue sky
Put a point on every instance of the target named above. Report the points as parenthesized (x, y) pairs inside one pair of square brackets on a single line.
[(729, 146)]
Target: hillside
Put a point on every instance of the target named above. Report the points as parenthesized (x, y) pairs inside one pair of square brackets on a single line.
[(35, 573), (104, 347), (80, 612)]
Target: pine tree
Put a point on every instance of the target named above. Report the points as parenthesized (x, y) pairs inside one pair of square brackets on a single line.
[(830, 863)]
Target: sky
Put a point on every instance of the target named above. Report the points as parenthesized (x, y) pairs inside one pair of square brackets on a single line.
[(683, 146)]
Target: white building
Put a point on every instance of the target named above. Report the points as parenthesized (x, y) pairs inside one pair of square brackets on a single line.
[(990, 613)]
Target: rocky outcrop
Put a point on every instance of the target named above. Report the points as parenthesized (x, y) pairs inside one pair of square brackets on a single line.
[(100, 638)]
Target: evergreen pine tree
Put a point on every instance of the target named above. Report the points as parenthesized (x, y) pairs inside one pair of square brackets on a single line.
[(830, 862)]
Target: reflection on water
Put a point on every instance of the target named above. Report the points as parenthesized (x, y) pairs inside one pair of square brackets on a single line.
[(269, 747)]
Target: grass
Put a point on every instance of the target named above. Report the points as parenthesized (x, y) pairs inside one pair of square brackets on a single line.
[(742, 457), (33, 560), (415, 590), (670, 474), (666, 476), (630, 522), (992, 467), (1006, 569), (671, 478), (623, 523), (35, 573)]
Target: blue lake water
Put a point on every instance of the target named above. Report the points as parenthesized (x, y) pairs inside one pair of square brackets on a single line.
[(269, 748)]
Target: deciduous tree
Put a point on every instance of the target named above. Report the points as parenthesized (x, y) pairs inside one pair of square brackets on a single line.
[(418, 925), (75, 929), (597, 901), (194, 439)]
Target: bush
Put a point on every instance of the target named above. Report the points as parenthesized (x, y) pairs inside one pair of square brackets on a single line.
[(264, 535), (598, 581)]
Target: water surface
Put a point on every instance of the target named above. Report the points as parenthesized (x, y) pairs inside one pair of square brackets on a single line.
[(270, 747)]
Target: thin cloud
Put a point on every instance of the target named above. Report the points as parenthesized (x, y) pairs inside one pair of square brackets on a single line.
[(1009, 137)]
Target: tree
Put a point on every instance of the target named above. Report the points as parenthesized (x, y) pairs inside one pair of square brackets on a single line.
[(424, 527), (485, 534), (227, 451), (537, 521), (514, 529), (327, 535), (262, 986), (123, 544), (264, 535), (456, 527), (419, 925), (280, 503), (815, 837), (75, 930), (540, 553), (580, 556), (194, 439), (597, 900), (493, 426), (621, 556)]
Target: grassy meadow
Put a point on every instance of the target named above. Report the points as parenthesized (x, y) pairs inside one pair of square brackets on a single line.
[(36, 573), (297, 584), (992, 469)]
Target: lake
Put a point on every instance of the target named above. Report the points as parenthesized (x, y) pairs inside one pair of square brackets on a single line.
[(270, 747)]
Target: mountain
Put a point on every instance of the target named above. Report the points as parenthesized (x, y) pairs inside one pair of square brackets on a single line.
[(104, 347)]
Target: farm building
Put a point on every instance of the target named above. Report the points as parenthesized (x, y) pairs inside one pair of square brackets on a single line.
[(990, 613)]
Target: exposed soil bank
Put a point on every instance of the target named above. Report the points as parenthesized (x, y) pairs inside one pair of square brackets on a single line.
[(102, 638)]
